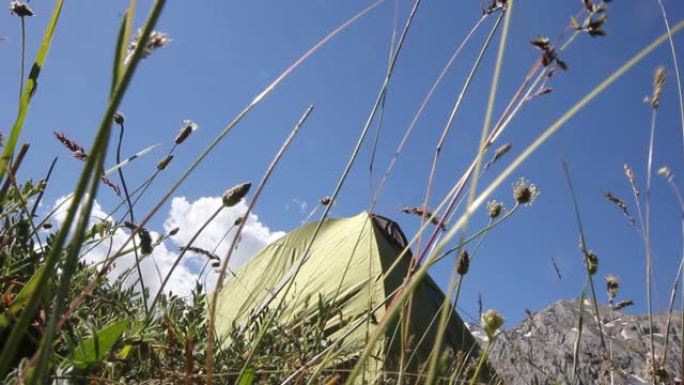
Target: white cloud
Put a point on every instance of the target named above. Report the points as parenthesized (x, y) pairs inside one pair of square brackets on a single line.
[(188, 217)]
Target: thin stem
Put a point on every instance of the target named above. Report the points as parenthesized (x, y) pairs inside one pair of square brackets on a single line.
[(647, 238), (22, 57), (677, 76), (229, 253), (212, 145), (131, 216)]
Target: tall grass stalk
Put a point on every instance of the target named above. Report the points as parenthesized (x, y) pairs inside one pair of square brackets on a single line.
[(233, 245), (212, 145), (83, 202), (30, 88), (22, 56), (585, 255), (647, 241), (675, 64), (127, 199), (420, 274), (421, 108), (285, 285), (445, 314)]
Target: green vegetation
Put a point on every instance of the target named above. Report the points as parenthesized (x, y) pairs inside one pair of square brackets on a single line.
[(63, 320)]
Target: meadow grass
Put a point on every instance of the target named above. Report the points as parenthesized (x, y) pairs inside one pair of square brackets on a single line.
[(62, 319)]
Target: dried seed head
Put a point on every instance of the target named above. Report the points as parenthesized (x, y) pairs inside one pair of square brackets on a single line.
[(155, 41), (623, 304), (238, 221), (20, 9), (145, 241), (164, 162), (216, 264), (463, 263), (119, 118), (666, 173), (326, 201), (108, 182), (174, 231), (631, 178), (592, 262), (235, 194), (542, 42), (491, 322), (77, 151), (612, 285), (524, 192), (494, 208), (658, 85), (188, 128)]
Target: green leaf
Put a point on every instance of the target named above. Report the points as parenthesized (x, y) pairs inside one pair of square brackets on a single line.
[(247, 377), (21, 299), (30, 88), (96, 348)]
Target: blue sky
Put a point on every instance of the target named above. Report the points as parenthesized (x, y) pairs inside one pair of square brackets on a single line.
[(225, 53)]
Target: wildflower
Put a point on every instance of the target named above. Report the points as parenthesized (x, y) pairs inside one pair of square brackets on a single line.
[(612, 286), (20, 9), (188, 128), (525, 192), (119, 118), (164, 162), (463, 263), (491, 322), (235, 194), (592, 262), (494, 208), (155, 41)]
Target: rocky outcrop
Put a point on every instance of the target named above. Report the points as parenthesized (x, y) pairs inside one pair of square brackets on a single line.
[(540, 350)]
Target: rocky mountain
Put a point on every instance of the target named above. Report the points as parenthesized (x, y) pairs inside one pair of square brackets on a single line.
[(540, 350)]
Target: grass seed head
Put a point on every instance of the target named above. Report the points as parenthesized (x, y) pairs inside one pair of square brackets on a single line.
[(20, 9), (491, 322), (612, 285), (524, 192), (658, 85), (119, 118), (188, 128), (666, 173), (235, 194), (592, 262), (155, 41), (164, 162), (494, 208), (463, 263)]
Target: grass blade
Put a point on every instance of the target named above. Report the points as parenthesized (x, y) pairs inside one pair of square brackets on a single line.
[(30, 88)]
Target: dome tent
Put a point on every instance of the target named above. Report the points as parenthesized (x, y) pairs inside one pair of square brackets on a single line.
[(353, 264)]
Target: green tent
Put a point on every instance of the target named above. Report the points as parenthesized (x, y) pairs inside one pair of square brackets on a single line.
[(349, 263)]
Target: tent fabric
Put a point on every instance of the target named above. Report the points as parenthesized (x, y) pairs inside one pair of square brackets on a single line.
[(353, 262)]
